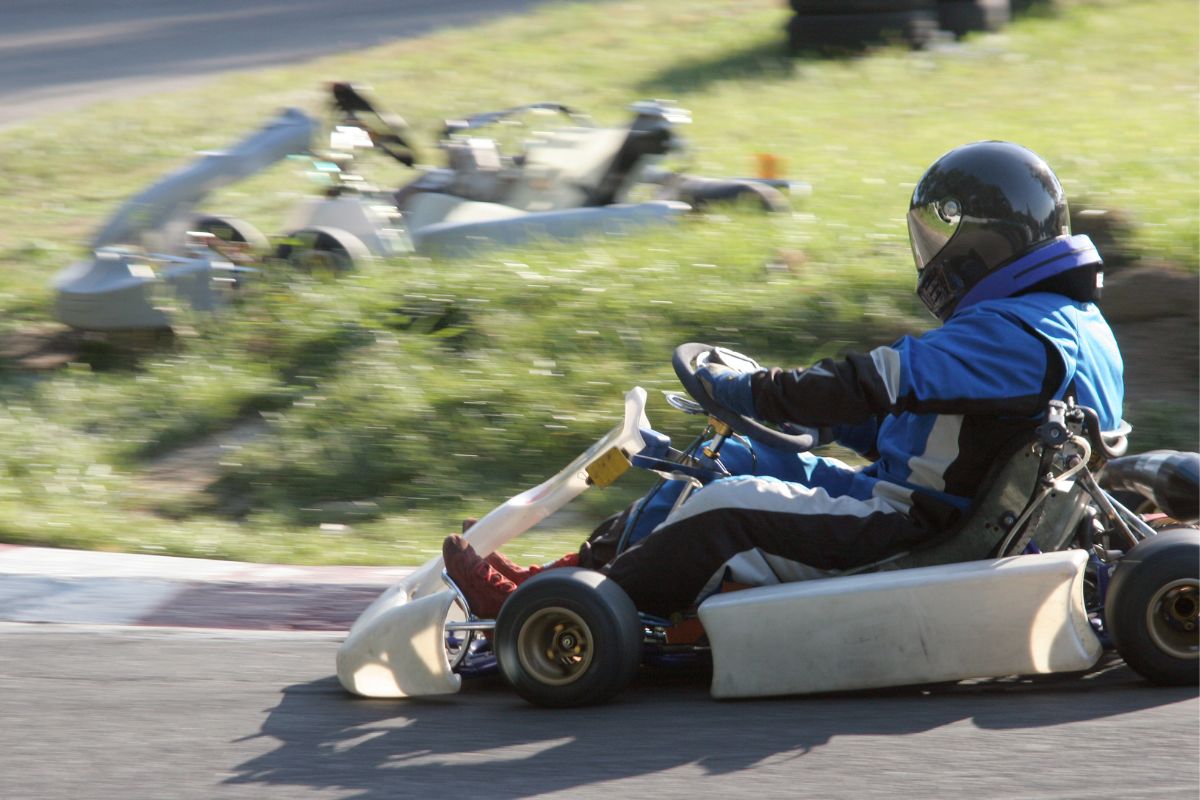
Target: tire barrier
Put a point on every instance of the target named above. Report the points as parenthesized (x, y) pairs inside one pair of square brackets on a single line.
[(851, 25)]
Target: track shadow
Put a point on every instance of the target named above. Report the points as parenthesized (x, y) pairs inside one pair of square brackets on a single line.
[(328, 740)]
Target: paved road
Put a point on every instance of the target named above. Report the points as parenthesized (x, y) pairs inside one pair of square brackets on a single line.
[(141, 713), (61, 54)]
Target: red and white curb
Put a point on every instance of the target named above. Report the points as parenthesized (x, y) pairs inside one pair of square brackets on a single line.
[(39, 584)]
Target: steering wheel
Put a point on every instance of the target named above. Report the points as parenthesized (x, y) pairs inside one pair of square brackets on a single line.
[(483, 120), (690, 357)]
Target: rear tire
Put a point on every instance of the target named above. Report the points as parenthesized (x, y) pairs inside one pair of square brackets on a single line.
[(1152, 611), (568, 637), (701, 193), (318, 250), (858, 6)]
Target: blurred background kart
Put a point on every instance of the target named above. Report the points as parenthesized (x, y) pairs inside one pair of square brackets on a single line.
[(560, 178)]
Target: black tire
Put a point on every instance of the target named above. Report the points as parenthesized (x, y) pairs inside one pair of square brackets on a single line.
[(323, 250), (858, 6), (701, 193), (963, 16), (232, 229), (568, 637), (856, 31), (1151, 611)]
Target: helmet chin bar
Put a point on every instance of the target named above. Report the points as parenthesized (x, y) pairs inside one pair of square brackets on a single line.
[(943, 284), (935, 292)]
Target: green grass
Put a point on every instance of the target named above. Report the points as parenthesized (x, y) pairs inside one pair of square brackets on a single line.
[(415, 393)]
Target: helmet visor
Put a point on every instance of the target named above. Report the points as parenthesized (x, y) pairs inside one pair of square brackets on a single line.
[(930, 227)]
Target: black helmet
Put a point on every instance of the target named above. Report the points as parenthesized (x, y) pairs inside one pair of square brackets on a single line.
[(976, 212)]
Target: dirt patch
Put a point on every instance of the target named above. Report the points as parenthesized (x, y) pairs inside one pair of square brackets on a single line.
[(49, 345), (41, 347), (194, 467)]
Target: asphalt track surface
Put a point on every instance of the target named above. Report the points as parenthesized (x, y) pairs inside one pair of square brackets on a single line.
[(59, 55), (146, 713)]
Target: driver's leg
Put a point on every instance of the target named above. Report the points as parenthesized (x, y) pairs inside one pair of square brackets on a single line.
[(739, 456), (757, 531)]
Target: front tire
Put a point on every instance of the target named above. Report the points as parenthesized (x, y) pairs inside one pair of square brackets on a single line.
[(568, 637), (1152, 611), (232, 230)]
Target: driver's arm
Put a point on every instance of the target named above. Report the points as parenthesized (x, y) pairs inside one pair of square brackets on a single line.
[(985, 363)]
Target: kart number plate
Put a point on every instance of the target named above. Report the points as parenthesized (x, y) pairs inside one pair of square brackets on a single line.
[(608, 467)]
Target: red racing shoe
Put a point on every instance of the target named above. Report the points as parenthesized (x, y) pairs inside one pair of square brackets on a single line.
[(487, 582), (483, 586)]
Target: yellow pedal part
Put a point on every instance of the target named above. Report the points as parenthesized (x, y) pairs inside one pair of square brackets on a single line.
[(608, 467)]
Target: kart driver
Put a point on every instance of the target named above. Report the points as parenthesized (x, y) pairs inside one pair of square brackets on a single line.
[(1015, 291)]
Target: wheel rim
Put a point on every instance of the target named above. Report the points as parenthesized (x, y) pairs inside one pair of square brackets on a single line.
[(1173, 618), (555, 646), (457, 643)]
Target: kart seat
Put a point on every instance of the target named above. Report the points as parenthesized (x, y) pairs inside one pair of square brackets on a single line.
[(644, 139), (593, 167), (1013, 481), (561, 169)]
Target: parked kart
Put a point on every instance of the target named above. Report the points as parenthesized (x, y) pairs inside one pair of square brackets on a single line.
[(560, 181), (563, 178), (1043, 573)]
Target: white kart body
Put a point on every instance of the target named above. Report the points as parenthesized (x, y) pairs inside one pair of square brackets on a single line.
[(471, 224), (396, 648), (439, 224), (1019, 615), (141, 268)]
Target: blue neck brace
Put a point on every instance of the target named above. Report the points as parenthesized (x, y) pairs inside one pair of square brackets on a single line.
[(1062, 254)]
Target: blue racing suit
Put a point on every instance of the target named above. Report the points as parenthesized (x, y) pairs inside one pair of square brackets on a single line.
[(930, 411)]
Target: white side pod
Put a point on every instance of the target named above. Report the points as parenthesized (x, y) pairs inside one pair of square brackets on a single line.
[(1011, 616)]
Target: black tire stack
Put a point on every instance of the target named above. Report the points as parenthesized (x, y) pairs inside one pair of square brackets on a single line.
[(832, 25), (960, 17), (852, 25)]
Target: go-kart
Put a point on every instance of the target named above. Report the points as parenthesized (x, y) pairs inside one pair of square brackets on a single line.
[(564, 176), (1044, 572), (560, 181)]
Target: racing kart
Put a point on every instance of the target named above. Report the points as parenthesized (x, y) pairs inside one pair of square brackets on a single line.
[(559, 181), (1044, 572)]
